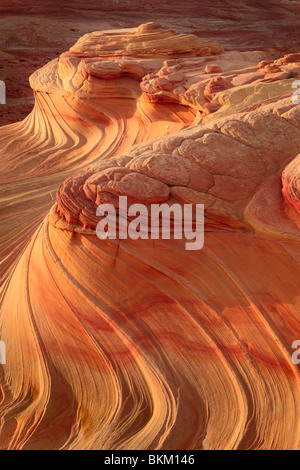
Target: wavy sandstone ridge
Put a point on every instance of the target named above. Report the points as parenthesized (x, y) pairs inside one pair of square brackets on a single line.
[(34, 32), (141, 344)]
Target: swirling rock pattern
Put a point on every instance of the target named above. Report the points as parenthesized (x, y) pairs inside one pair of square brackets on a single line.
[(34, 32), (140, 344)]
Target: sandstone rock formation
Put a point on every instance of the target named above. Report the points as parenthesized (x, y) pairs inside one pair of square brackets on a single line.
[(35, 32), (140, 344)]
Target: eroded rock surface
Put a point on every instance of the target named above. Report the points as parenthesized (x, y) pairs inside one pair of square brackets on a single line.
[(141, 344)]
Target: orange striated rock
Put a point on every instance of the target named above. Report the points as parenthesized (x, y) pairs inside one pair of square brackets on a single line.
[(141, 344), (290, 63), (213, 69), (264, 63), (288, 59), (150, 39), (214, 86), (272, 68), (291, 189), (33, 33)]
